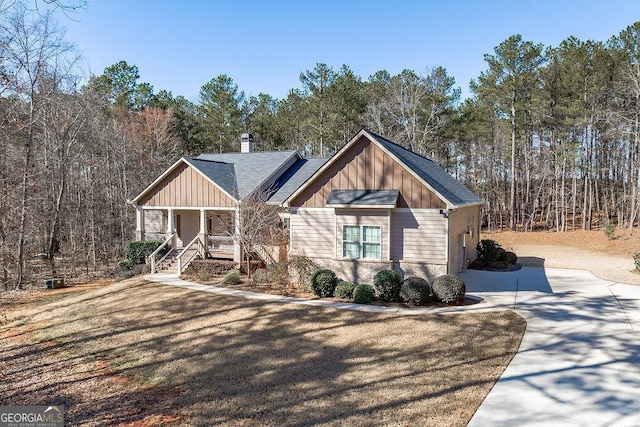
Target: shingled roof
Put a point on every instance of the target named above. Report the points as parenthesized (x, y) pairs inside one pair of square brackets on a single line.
[(433, 174), (240, 174), (294, 177)]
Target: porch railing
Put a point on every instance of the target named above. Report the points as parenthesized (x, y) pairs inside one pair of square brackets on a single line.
[(182, 264), (153, 257)]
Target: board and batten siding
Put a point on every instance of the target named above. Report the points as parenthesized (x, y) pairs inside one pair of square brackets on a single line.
[(363, 217), (419, 235), (312, 232), (365, 166), (186, 187)]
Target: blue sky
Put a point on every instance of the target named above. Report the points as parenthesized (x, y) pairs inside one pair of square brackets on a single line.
[(264, 45)]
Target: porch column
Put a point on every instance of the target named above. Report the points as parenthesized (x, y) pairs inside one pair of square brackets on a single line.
[(139, 223), (171, 226), (237, 249), (203, 230)]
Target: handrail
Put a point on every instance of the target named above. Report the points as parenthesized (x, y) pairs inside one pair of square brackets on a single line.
[(200, 251), (152, 257), (264, 254)]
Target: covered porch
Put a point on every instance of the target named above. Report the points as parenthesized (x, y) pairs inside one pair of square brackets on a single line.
[(210, 231)]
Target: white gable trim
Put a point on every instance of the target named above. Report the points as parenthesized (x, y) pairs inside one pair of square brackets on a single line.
[(169, 171), (373, 140)]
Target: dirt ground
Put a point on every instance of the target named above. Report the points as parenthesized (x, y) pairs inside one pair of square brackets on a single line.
[(136, 353), (610, 260)]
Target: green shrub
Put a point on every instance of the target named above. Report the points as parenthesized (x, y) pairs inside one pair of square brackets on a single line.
[(610, 231), (636, 260), (387, 284), (415, 290), (125, 264), (363, 294), (323, 282), (232, 278), (489, 251), (510, 257), (344, 290), (448, 289), (139, 250)]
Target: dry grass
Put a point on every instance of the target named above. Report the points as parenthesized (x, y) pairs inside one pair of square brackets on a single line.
[(137, 353), (610, 260)]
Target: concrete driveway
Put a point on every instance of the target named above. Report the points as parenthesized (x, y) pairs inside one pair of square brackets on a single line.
[(579, 362)]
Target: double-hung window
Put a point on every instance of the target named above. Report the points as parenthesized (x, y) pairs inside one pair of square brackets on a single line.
[(362, 241)]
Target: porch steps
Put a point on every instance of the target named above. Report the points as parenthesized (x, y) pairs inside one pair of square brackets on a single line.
[(170, 264)]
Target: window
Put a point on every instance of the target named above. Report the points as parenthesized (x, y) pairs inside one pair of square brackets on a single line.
[(367, 247), (371, 238), (351, 241)]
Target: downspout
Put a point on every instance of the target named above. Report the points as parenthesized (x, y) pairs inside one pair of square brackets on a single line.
[(448, 245)]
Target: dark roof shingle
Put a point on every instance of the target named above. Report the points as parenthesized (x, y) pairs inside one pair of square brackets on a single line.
[(294, 177), (433, 174), (240, 174), (363, 197)]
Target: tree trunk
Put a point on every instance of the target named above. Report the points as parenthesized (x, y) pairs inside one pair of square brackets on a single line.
[(512, 222)]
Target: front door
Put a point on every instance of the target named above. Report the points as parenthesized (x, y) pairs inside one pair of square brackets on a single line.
[(187, 226)]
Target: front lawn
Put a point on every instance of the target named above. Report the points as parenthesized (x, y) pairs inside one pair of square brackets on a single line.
[(149, 354)]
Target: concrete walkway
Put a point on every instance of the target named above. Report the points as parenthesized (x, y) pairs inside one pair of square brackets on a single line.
[(579, 361)]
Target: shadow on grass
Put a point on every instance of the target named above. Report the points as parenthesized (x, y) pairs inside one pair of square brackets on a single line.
[(214, 359)]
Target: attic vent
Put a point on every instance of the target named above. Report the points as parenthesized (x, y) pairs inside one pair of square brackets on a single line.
[(246, 143)]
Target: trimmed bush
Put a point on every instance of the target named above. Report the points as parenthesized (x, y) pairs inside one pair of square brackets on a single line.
[(323, 282), (387, 284), (489, 251), (415, 290), (344, 290), (232, 278), (449, 289), (139, 250), (510, 257), (363, 294)]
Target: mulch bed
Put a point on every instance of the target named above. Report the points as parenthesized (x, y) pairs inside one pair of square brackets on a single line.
[(298, 291)]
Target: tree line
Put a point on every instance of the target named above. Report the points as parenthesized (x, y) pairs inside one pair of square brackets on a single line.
[(549, 137)]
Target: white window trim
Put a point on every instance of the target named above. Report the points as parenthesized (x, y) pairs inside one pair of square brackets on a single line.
[(361, 241)]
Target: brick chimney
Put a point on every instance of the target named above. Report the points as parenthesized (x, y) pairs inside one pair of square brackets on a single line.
[(246, 143)]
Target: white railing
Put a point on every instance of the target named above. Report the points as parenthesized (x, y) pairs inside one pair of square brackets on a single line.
[(200, 251), (152, 258), (220, 243), (269, 254)]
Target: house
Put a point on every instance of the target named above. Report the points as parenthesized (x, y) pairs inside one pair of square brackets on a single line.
[(372, 205)]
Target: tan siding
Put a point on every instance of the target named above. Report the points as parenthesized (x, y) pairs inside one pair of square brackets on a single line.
[(463, 237), (362, 217), (364, 166), (186, 187), (312, 233), (153, 221), (418, 235)]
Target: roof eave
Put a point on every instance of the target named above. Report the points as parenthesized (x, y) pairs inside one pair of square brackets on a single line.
[(349, 206), (324, 167), (157, 180), (171, 169)]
